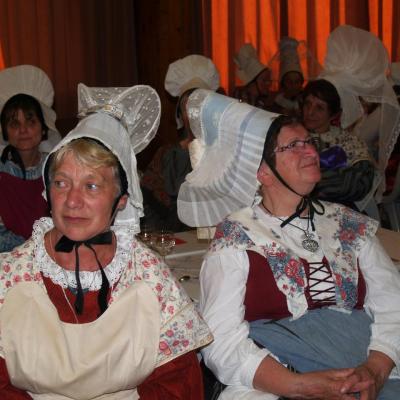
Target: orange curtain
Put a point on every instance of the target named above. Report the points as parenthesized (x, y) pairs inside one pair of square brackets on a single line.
[(228, 24), (73, 41)]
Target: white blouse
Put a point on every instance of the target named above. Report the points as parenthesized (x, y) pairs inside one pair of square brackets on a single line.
[(223, 277)]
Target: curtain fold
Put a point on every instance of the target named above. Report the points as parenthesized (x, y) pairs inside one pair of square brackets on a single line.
[(228, 24), (73, 41)]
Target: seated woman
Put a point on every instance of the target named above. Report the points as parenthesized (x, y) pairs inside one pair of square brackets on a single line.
[(171, 163), (27, 119), (31, 80), (286, 71), (288, 280), (347, 168), (256, 78), (356, 64), (87, 311)]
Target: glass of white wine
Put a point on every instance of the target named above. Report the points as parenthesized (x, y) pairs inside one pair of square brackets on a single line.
[(163, 242), (145, 234)]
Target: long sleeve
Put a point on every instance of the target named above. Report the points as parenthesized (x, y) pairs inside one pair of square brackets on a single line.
[(232, 356), (8, 239), (7, 390), (383, 299)]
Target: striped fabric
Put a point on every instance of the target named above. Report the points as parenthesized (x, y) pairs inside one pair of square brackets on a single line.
[(225, 178)]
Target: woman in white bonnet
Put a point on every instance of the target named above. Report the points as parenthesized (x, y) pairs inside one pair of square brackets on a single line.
[(171, 163), (255, 76), (357, 65), (28, 132), (87, 311), (287, 71), (289, 280)]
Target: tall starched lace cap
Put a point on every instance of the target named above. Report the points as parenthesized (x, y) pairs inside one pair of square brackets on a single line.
[(357, 64), (125, 120), (248, 64)]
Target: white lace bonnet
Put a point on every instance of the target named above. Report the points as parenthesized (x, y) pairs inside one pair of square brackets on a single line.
[(31, 80), (190, 72), (357, 64), (248, 64), (293, 55), (194, 71), (125, 120), (225, 177)]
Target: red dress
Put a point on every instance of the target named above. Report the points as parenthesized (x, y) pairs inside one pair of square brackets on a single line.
[(21, 203)]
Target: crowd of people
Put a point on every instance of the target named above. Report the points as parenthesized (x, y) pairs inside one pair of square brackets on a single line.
[(298, 297)]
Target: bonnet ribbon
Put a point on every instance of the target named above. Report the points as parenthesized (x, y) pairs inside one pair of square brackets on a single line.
[(65, 245), (307, 201)]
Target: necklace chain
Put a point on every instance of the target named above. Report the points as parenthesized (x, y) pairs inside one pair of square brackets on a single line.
[(308, 242)]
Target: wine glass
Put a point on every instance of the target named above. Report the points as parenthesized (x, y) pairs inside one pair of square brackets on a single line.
[(145, 235), (163, 242)]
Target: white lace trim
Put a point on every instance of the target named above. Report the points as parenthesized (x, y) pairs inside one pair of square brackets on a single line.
[(90, 280)]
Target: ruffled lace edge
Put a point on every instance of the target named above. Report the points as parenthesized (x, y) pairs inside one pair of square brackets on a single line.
[(90, 280)]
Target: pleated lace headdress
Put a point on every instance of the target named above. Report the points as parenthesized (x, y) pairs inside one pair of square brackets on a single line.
[(125, 120)]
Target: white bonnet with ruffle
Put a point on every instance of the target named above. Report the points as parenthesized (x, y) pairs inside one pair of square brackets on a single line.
[(31, 80), (194, 71)]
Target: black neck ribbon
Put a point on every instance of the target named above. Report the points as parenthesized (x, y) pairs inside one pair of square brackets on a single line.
[(66, 245), (307, 201)]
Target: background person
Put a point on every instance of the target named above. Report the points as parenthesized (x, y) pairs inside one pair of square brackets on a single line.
[(288, 280), (347, 168), (256, 78), (286, 67), (357, 63), (27, 120), (171, 163), (87, 311)]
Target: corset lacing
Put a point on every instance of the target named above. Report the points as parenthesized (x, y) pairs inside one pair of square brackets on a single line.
[(321, 285)]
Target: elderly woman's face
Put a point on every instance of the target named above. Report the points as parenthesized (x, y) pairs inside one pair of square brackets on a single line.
[(299, 167), (82, 198)]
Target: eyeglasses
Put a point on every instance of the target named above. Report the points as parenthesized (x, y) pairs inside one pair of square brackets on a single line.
[(297, 145)]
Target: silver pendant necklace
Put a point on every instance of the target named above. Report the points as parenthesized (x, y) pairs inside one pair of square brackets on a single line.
[(308, 242)]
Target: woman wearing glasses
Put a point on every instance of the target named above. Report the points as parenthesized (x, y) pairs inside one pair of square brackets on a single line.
[(288, 280)]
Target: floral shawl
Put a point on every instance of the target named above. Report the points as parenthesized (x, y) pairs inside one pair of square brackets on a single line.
[(341, 233)]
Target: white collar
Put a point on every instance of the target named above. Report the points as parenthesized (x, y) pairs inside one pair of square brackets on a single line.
[(90, 280)]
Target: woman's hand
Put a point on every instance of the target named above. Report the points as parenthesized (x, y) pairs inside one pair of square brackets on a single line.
[(376, 369), (273, 377), (327, 385)]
